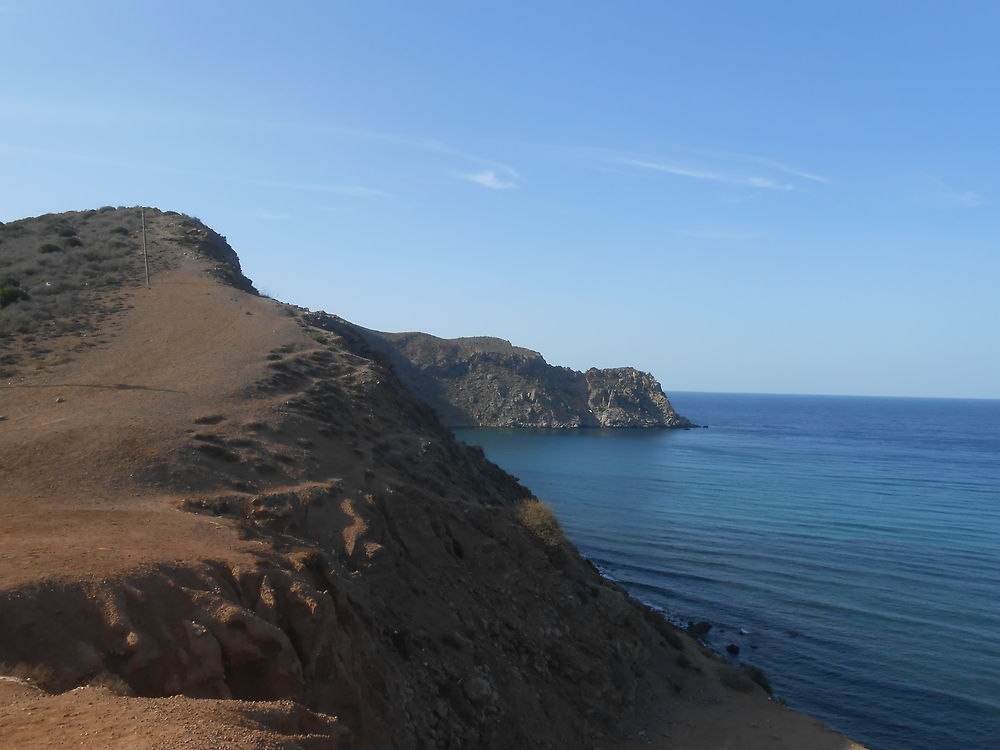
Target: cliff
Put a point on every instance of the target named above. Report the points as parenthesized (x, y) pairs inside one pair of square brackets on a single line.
[(228, 524), (488, 382)]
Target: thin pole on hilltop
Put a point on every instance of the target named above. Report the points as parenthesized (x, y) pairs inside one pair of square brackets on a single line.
[(145, 257)]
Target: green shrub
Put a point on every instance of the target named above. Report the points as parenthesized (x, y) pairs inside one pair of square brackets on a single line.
[(119, 230), (67, 231), (73, 242), (49, 247), (10, 291), (95, 255)]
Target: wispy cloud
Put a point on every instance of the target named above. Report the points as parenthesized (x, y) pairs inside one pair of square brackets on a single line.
[(722, 235), (439, 147), (969, 198), (954, 196), (354, 191), (929, 189), (488, 178), (273, 215), (88, 114), (770, 164), (738, 180)]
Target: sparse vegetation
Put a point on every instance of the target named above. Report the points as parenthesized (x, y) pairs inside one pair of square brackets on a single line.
[(743, 679), (112, 683), (63, 265)]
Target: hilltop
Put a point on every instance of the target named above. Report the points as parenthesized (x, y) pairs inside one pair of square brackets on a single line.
[(229, 524)]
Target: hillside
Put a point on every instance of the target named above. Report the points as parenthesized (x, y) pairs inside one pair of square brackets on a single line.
[(487, 382), (228, 524)]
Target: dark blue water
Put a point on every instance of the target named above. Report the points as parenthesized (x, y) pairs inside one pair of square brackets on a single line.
[(857, 540)]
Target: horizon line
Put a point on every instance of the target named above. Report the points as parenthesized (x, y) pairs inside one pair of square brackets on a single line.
[(833, 395)]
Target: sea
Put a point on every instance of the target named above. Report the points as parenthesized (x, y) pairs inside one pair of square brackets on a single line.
[(848, 546)]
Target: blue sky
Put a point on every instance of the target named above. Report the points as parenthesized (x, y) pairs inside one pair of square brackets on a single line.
[(788, 197)]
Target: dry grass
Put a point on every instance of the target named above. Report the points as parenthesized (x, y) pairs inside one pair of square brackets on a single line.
[(111, 682), (538, 518)]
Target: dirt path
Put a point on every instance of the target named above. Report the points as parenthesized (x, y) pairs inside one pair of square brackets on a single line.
[(186, 349)]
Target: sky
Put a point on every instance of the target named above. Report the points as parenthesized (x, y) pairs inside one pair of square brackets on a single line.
[(779, 197)]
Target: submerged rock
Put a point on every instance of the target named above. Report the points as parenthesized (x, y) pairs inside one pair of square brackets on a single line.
[(699, 628)]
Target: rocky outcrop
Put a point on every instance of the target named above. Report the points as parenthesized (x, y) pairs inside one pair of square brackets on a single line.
[(488, 382)]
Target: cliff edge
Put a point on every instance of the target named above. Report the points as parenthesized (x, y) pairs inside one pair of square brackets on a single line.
[(488, 382), (228, 524)]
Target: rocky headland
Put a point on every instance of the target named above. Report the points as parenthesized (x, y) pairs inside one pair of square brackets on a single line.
[(228, 523), (483, 381)]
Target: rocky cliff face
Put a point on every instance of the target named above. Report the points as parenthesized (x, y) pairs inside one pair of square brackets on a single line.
[(488, 382), (340, 550)]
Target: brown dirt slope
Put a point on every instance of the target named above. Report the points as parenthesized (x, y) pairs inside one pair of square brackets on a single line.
[(231, 515)]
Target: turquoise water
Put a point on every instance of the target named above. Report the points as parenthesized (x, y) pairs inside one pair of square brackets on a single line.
[(848, 546)]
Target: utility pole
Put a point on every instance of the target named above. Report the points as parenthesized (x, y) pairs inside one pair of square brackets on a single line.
[(145, 257)]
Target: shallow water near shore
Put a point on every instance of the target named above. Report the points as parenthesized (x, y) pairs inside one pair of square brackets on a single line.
[(848, 546)]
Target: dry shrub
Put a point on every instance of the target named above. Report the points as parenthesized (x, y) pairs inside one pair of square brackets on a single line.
[(538, 518), (757, 675), (744, 678), (735, 679), (112, 683)]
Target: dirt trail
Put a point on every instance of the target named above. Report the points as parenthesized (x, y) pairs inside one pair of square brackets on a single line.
[(187, 348)]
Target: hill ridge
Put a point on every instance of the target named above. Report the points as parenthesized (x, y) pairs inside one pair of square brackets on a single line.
[(226, 497)]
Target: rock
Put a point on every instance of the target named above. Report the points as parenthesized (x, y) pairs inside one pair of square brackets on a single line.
[(60, 400), (699, 628), (488, 382), (478, 690), (733, 649)]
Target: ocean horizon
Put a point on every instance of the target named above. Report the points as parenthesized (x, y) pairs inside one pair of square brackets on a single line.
[(847, 545)]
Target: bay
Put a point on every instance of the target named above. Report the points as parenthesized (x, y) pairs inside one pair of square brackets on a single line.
[(848, 546)]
